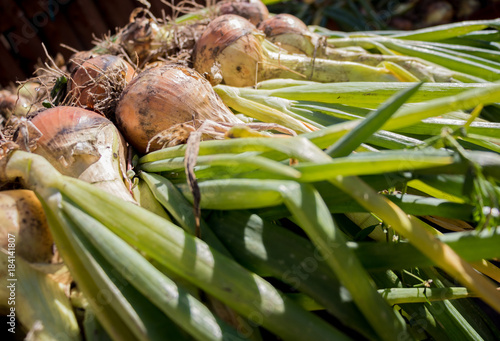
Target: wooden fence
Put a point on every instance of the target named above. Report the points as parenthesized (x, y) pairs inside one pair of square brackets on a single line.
[(26, 24)]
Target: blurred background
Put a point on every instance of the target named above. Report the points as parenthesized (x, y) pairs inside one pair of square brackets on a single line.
[(26, 24)]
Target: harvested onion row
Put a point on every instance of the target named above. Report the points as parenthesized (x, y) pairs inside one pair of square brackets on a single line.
[(234, 47)]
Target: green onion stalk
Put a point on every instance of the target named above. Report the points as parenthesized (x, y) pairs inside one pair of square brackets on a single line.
[(80, 215), (470, 70)]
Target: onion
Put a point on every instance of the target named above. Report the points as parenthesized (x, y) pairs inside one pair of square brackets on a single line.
[(245, 57), (17, 104), (293, 35), (24, 233), (145, 39), (99, 80), (167, 97), (85, 145), (8, 103), (253, 10), (22, 215)]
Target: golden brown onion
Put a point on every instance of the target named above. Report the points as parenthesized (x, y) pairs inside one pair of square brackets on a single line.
[(253, 10), (98, 79), (282, 23), (291, 32), (233, 44), (163, 98), (24, 233)]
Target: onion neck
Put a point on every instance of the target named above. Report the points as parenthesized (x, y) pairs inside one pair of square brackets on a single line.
[(278, 64), (311, 45)]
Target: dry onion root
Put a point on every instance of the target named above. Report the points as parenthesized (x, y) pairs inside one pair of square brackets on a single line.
[(84, 145), (97, 83), (294, 36), (244, 57)]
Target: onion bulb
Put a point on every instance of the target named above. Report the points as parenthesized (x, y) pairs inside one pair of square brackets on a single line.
[(253, 10), (293, 35), (167, 98), (20, 101), (145, 39), (84, 145), (244, 57), (24, 233), (10, 104), (99, 80), (22, 215)]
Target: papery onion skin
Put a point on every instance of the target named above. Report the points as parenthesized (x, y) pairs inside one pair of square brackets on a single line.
[(163, 97), (85, 145), (291, 33), (91, 81), (253, 10)]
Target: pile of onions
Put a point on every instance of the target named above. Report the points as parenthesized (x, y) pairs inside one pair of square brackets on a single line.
[(169, 99), (244, 57), (84, 145), (293, 35), (97, 83)]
